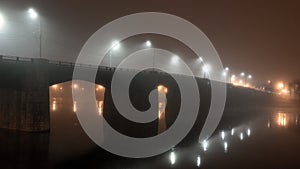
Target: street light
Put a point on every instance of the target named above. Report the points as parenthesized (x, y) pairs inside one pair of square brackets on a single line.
[(227, 74), (148, 43), (205, 70), (200, 59), (249, 77), (175, 59), (114, 47), (232, 79), (1, 21), (244, 79), (34, 15)]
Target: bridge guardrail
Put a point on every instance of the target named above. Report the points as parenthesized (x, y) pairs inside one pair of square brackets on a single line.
[(4, 58)]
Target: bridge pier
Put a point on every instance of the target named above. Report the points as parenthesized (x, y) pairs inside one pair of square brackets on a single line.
[(24, 101)]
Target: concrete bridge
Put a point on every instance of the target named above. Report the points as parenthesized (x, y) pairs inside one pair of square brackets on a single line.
[(24, 90)]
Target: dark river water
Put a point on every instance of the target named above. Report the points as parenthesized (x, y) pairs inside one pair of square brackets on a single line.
[(271, 140)]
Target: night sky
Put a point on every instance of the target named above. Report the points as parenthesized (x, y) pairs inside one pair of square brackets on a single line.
[(259, 37)]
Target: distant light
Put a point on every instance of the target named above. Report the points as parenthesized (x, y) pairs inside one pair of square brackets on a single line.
[(280, 85), (115, 45), (175, 59), (172, 158), (200, 59), (269, 81), (1, 21), (32, 13), (226, 68), (242, 74), (205, 68), (160, 87), (249, 76), (198, 161), (241, 136), (54, 87), (148, 43), (100, 87), (223, 135), (205, 145), (232, 131), (248, 132), (75, 86), (225, 146)]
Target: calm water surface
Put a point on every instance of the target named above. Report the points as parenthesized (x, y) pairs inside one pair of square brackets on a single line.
[(268, 141)]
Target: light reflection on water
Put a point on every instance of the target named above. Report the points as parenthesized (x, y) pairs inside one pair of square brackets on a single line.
[(219, 146)]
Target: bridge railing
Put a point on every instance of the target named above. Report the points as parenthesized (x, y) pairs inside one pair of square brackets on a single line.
[(17, 59), (4, 58)]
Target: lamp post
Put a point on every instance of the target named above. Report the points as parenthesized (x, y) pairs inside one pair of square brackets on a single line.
[(249, 77), (148, 44), (199, 61), (34, 15), (243, 75), (205, 70), (114, 47), (232, 78), (227, 74), (1, 21)]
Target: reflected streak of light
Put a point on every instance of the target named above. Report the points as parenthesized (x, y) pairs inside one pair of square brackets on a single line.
[(54, 105), (198, 161), (159, 114), (160, 109), (281, 119), (225, 146), (223, 135), (232, 131), (172, 158), (248, 132), (75, 106), (205, 145), (100, 107), (241, 136), (269, 124)]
